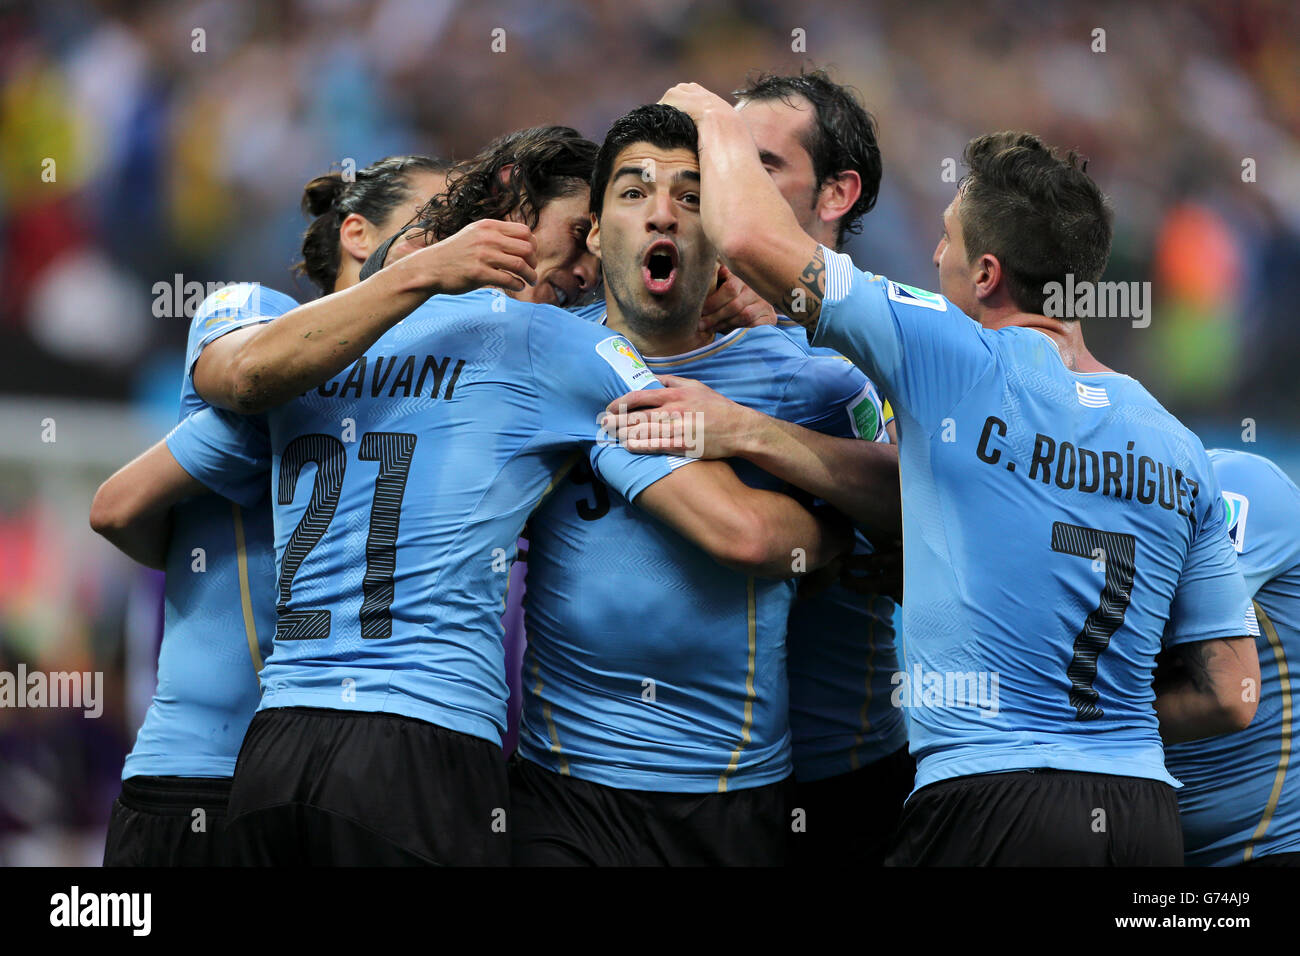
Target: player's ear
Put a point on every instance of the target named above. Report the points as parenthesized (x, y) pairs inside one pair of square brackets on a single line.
[(503, 175), (987, 276), (838, 194), (356, 237), (593, 237)]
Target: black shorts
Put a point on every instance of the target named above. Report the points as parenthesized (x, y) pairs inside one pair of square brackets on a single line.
[(169, 821), (1041, 818), (317, 787), (563, 821), (850, 819)]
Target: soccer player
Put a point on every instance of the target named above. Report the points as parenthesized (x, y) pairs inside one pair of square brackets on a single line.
[(1239, 803), (220, 563), (655, 726), (401, 487), (852, 770), (1057, 521)]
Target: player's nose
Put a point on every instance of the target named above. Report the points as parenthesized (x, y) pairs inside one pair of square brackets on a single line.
[(662, 217), (585, 270)]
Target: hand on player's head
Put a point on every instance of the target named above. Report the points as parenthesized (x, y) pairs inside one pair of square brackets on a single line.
[(489, 252), (412, 240), (694, 100)]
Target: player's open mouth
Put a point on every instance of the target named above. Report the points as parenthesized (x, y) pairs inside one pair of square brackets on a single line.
[(659, 267), (561, 297)]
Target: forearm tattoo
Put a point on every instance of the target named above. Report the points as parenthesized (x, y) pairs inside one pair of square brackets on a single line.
[(803, 303)]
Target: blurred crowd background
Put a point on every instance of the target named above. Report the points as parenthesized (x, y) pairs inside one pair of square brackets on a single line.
[(164, 142)]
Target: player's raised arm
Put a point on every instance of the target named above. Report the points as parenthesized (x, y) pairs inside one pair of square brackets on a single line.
[(744, 213), (253, 369)]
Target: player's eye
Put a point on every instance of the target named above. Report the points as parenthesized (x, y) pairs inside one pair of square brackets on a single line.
[(692, 199), (632, 192)]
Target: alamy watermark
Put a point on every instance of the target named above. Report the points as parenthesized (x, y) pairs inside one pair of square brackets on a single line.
[(179, 297), (37, 689), (946, 689), (1098, 300), (133, 911)]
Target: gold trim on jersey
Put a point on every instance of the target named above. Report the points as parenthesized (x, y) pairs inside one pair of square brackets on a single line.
[(749, 687), (245, 595), (864, 720), (708, 351), (550, 724), (1284, 757)]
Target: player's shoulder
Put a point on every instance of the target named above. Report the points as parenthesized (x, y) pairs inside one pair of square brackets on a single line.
[(777, 339), (484, 302), (1261, 506), (232, 307), (1134, 392), (1244, 472), (789, 355), (582, 346), (569, 327), (240, 300), (843, 276), (799, 336), (594, 312)]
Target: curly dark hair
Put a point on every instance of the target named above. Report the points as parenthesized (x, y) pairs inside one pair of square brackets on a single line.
[(1038, 212), (842, 137), (544, 163), (373, 193)]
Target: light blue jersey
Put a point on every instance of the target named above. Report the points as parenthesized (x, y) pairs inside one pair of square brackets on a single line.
[(649, 665), (219, 612), (1241, 795), (401, 487), (842, 664), (1053, 523)]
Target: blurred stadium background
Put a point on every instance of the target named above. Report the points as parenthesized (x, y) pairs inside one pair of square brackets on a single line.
[(172, 161)]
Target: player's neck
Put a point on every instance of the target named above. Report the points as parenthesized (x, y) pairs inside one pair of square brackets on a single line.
[(659, 341), (826, 233), (1068, 336)]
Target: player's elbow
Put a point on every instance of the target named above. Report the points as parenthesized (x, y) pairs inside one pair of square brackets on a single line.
[(739, 539), (110, 510), (749, 555), (1240, 713), (1237, 701), (243, 391), (1238, 691)]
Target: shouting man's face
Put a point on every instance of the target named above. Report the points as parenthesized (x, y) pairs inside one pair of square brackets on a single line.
[(658, 265)]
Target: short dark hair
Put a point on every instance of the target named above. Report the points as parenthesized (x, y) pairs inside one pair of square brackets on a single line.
[(373, 192), (1039, 213), (546, 162), (665, 127), (843, 135)]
